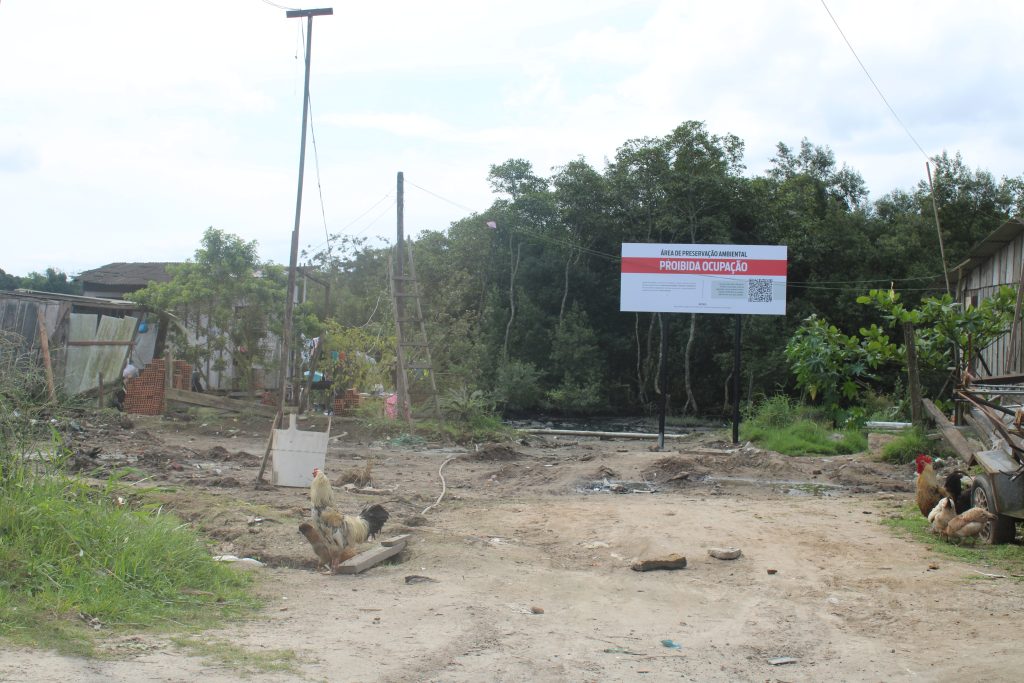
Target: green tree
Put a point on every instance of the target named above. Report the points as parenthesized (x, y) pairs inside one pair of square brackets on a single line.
[(52, 280), (8, 282), (228, 303)]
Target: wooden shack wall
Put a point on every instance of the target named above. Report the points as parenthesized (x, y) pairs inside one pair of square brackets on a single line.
[(19, 321), (1003, 268)]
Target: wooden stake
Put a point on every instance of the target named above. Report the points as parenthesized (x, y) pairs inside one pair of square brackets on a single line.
[(270, 444), (44, 344)]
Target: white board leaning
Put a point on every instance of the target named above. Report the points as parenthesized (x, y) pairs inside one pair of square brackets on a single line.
[(704, 278)]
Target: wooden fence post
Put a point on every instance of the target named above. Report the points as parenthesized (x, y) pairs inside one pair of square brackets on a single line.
[(44, 345)]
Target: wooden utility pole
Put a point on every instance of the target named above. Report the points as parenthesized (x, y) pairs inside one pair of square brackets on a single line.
[(400, 245), (938, 225), (282, 374)]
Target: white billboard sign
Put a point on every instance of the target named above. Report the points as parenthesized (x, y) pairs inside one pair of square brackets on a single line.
[(704, 278)]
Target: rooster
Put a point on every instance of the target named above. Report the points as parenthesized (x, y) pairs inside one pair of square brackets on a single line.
[(968, 524), (941, 514), (929, 493), (339, 533), (327, 553)]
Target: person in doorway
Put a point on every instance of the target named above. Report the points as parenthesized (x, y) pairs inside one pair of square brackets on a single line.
[(197, 381), (130, 372)]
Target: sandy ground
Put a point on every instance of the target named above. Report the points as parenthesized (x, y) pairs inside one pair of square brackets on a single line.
[(528, 559)]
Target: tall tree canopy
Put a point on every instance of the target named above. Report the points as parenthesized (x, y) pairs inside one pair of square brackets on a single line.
[(529, 309)]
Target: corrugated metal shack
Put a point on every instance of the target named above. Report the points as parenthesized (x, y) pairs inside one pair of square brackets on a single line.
[(996, 261), (86, 336)]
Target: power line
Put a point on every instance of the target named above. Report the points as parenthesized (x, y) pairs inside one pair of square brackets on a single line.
[(274, 4), (319, 187), (379, 216), (877, 89), (443, 199)]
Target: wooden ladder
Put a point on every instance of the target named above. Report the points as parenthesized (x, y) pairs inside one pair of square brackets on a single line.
[(417, 389)]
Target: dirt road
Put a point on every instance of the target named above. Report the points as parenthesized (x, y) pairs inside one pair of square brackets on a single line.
[(527, 565)]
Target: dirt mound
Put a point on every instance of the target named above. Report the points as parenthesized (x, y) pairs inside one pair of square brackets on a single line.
[(221, 454), (674, 471), (493, 452)]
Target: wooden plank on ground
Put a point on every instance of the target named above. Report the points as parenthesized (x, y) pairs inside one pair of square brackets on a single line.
[(949, 432), (365, 560), (395, 540), (198, 399)]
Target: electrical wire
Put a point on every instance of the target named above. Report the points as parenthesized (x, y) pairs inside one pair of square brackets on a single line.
[(374, 312), (877, 89), (274, 4), (319, 187), (357, 218), (443, 199), (379, 216)]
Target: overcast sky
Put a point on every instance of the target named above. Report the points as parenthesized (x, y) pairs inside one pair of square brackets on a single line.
[(128, 127)]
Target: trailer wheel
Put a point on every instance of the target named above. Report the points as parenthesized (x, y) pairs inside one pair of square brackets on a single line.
[(1003, 529)]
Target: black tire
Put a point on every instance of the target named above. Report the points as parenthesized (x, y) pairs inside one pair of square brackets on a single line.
[(1003, 529)]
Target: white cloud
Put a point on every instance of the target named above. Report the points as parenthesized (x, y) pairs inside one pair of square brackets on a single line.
[(127, 128)]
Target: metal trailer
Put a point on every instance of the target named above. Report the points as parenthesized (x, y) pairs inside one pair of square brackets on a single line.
[(993, 409)]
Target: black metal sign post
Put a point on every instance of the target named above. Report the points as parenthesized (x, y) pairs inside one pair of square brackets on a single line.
[(736, 381)]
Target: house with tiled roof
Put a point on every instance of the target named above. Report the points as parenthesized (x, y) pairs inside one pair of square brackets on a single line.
[(115, 280)]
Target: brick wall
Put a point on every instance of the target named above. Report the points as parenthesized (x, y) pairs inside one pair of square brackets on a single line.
[(144, 395)]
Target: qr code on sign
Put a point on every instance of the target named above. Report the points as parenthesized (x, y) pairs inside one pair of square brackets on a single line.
[(760, 291)]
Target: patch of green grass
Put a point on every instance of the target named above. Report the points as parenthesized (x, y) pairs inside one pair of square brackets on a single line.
[(238, 658), (475, 429), (781, 424), (907, 446), (471, 427), (805, 437), (73, 559), (1005, 559)]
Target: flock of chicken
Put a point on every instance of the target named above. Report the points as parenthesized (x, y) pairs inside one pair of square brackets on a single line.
[(948, 507), (333, 534)]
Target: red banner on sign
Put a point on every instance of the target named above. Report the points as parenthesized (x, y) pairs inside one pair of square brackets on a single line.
[(704, 266)]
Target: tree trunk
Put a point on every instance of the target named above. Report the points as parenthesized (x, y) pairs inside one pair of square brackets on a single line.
[(574, 257), (511, 293), (643, 360), (690, 400)]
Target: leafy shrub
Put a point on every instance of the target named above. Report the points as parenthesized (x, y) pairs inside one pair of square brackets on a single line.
[(774, 411), (517, 386), (465, 405), (576, 398)]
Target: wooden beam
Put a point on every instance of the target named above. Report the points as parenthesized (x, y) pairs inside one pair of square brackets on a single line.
[(603, 435), (100, 342), (949, 432), (208, 401), (369, 558)]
